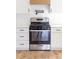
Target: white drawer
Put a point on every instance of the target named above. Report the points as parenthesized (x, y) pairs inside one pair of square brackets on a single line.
[(22, 36), (22, 29), (56, 29), (22, 45)]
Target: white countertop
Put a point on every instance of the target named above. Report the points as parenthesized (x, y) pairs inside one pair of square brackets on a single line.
[(56, 25)]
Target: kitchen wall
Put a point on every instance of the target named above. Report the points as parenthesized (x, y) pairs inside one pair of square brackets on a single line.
[(22, 20)]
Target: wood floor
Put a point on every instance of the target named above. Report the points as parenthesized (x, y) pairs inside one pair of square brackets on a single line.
[(57, 54)]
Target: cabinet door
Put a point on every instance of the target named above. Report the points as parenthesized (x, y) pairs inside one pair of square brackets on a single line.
[(22, 6), (56, 5), (56, 39), (22, 20), (40, 1)]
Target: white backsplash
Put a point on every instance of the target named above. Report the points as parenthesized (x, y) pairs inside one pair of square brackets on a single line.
[(22, 20), (39, 7), (54, 18)]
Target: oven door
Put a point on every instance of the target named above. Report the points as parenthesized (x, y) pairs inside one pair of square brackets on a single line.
[(40, 36)]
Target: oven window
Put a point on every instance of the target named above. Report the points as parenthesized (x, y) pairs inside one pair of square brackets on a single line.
[(40, 36)]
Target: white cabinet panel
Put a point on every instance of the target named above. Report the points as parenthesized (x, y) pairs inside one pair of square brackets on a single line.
[(22, 6), (22, 36), (56, 29), (22, 29), (22, 20), (56, 5), (22, 45), (56, 39)]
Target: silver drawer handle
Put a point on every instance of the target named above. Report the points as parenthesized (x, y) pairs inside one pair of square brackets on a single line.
[(58, 30), (21, 36), (21, 44), (21, 30)]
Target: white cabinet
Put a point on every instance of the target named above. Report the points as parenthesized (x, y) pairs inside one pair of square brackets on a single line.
[(22, 29), (22, 34), (56, 5), (22, 45), (22, 6), (56, 38), (22, 20), (22, 38)]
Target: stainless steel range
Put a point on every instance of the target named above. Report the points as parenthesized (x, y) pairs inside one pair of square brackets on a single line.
[(39, 34)]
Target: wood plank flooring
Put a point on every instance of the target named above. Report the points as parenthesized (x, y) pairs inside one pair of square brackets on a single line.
[(57, 54)]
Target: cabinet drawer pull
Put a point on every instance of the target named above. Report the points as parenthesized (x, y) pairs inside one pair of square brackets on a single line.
[(21, 36), (58, 30), (21, 44), (21, 30)]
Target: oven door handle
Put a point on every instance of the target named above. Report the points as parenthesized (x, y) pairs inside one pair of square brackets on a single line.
[(38, 30), (37, 36), (40, 35)]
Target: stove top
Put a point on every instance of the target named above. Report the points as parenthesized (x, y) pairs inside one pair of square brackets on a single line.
[(40, 26)]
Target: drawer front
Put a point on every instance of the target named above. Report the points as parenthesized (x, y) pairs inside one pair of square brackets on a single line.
[(22, 36), (56, 29), (22, 45), (22, 29)]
